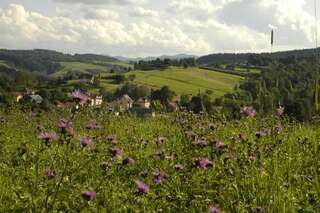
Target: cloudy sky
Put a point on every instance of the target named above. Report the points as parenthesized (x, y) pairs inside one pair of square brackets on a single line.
[(156, 27)]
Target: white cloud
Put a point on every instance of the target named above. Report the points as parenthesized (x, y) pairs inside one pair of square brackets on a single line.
[(100, 14), (181, 26), (294, 25), (141, 12), (90, 35), (103, 2), (200, 9)]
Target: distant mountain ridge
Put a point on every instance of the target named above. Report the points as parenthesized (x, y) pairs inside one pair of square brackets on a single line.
[(150, 58), (49, 61)]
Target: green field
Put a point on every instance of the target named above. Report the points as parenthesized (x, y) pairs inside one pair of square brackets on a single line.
[(188, 81), (87, 67), (80, 67)]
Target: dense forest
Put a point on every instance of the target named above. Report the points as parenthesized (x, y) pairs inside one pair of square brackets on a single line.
[(162, 64)]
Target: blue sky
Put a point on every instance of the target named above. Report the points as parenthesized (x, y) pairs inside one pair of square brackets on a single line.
[(156, 27)]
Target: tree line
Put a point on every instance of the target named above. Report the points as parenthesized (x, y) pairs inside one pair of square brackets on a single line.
[(161, 64)]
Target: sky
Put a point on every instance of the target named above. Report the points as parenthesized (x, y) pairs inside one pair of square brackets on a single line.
[(136, 28)]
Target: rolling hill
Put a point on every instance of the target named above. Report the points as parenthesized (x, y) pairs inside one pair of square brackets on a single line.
[(48, 62), (184, 81)]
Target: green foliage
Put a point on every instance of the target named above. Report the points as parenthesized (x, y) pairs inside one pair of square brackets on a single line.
[(162, 64), (133, 90), (26, 79), (164, 95)]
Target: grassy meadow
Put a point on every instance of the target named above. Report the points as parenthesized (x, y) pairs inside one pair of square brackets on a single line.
[(188, 163), (78, 66), (188, 81), (86, 67)]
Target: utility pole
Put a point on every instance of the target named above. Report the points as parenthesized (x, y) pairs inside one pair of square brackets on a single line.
[(316, 57), (272, 40)]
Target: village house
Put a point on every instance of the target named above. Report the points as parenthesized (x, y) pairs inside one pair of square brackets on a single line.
[(141, 108), (173, 106), (143, 103), (96, 100), (36, 98), (122, 104), (19, 97)]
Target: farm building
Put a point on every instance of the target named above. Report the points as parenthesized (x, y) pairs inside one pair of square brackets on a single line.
[(142, 103), (142, 112), (122, 104), (36, 99), (96, 100)]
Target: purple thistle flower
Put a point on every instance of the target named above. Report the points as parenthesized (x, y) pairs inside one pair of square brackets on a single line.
[(170, 157), (40, 128), (50, 173), (88, 195), (251, 158), (200, 142), (178, 167), (92, 125), (259, 209), (86, 141), (159, 153), (159, 177), (142, 187), (203, 163), (66, 127), (261, 134), (201, 126), (278, 128), (112, 139), (191, 135), (144, 142), (220, 145), (201, 113), (128, 161), (214, 209), (106, 165), (79, 96), (48, 136), (249, 111), (229, 157), (117, 152), (144, 173), (242, 137), (213, 126), (160, 140)]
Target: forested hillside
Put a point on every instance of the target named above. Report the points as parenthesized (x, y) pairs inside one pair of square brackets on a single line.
[(47, 61), (294, 87), (262, 59)]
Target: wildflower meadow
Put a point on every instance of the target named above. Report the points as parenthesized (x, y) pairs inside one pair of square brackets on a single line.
[(93, 161)]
